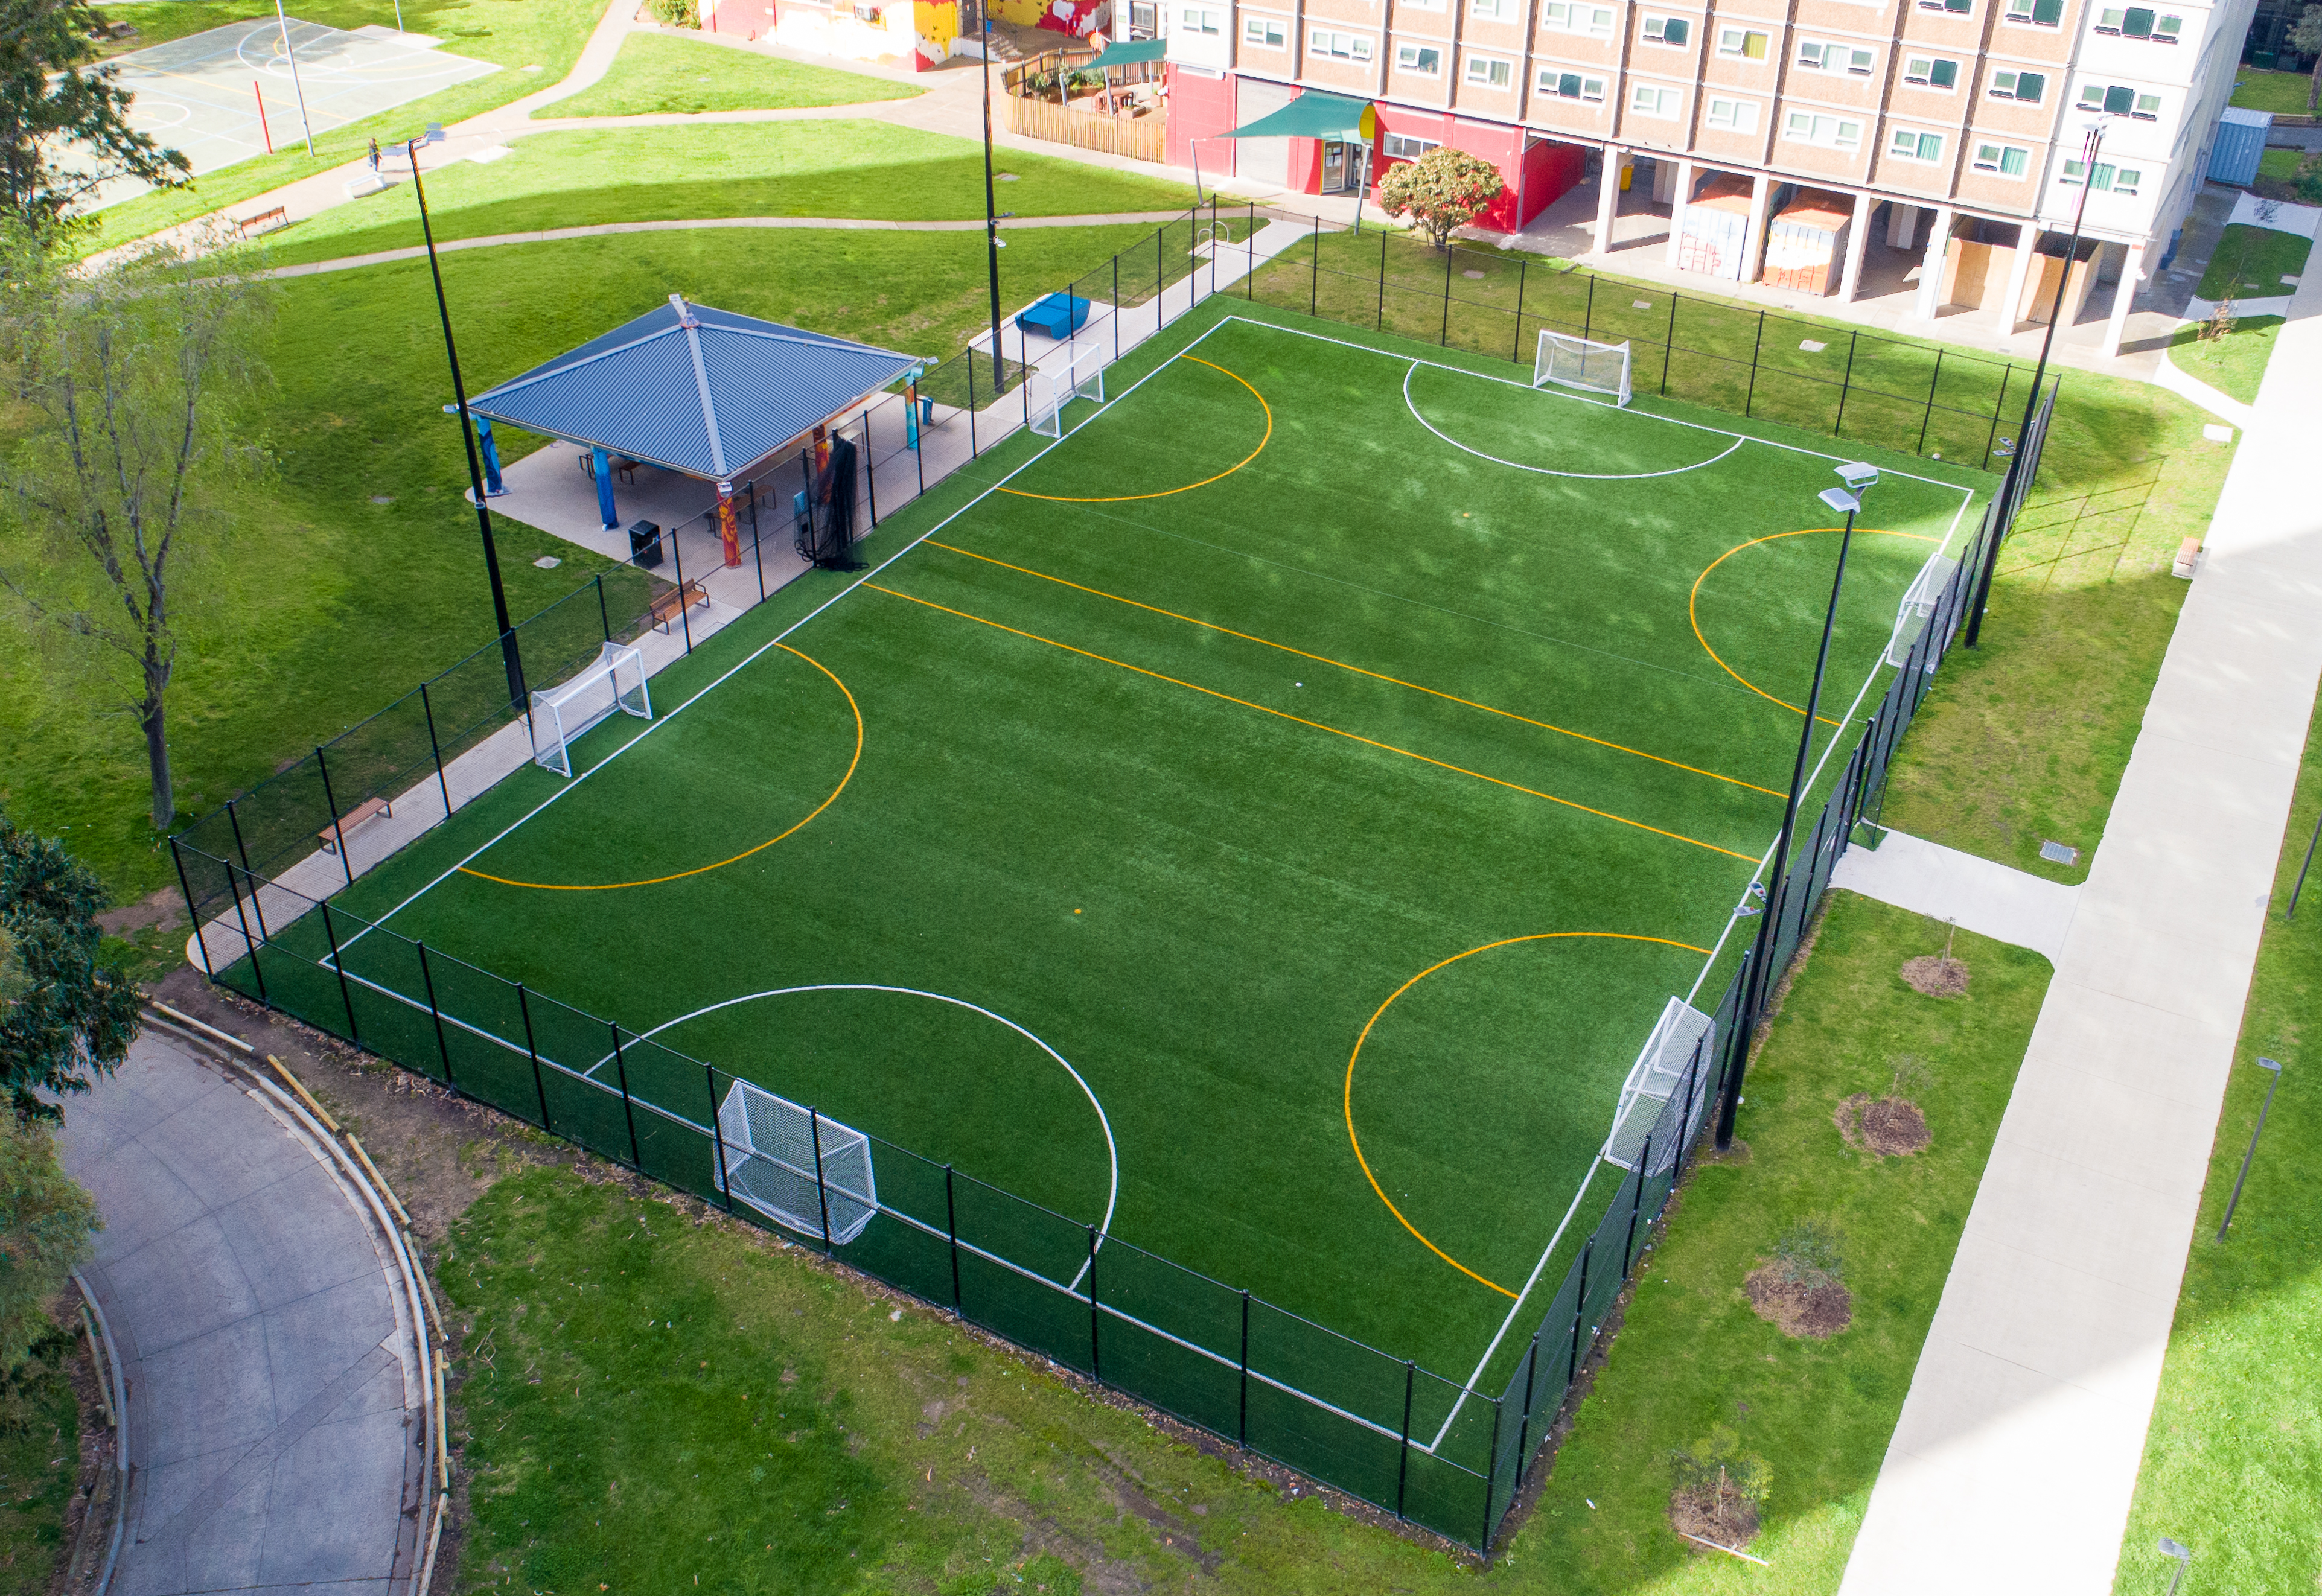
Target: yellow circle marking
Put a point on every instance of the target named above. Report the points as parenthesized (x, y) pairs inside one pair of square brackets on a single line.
[(701, 869), (1693, 611), (1127, 498), (1356, 1057)]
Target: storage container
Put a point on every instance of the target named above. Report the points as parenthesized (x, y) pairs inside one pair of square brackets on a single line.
[(1716, 229), (2241, 140), (1806, 243)]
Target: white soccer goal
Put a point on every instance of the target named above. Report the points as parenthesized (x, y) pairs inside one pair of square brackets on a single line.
[(771, 1146), (1575, 363), (615, 684), (1919, 607), (1052, 390), (1659, 1075)]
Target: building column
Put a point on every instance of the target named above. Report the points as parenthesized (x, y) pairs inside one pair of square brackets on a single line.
[(1677, 209), (2011, 307), (1753, 241), (2132, 273), (1902, 225), (1931, 265), (1608, 198), (1857, 239)]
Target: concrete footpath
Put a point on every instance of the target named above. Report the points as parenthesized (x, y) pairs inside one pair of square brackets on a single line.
[(2015, 1458), (273, 1429)]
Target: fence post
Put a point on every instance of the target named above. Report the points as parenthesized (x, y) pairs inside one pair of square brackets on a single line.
[(1249, 253), (1845, 385), (951, 1228), (532, 1050), (1928, 419), (628, 1111), (1161, 273), (346, 998), (248, 874), (1443, 340), (1314, 288), (821, 1187), (718, 1135), (1636, 1203), (757, 543), (684, 610), (1096, 1369), (1523, 1423), (1492, 1476), (1999, 406), (1115, 330), (1579, 1313), (240, 918), (1668, 344), (435, 748), (1402, 1448), (1381, 282), (1588, 312), (333, 805), (1517, 354), (194, 914), (1241, 1437), (427, 980), (1757, 349), (870, 472), (971, 401)]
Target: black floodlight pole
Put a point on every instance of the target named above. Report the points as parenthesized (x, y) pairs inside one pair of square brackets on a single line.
[(508, 652), (991, 244), (2293, 911), (2024, 431), (2266, 1108), (1859, 480)]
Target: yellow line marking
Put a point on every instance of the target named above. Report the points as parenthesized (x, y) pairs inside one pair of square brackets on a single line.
[(853, 708), (1354, 1057), (1127, 498), (1318, 726), (1692, 612), (1356, 669)]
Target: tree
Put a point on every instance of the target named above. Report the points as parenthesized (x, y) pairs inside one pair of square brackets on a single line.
[(45, 1221), (2306, 39), (68, 1013), (1443, 189), (130, 385), (65, 130)]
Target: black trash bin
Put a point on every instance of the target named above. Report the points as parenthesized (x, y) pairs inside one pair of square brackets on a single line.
[(645, 544)]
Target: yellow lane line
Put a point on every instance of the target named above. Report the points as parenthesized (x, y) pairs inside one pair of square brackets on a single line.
[(1126, 497), (1693, 612)]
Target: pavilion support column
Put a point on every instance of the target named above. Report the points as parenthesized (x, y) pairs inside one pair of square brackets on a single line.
[(1678, 202), (2019, 270), (600, 465), (1857, 239), (1753, 243), (1930, 298), (1608, 198), (2132, 275)]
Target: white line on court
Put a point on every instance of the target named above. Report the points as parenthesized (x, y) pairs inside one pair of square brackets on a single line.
[(1413, 406)]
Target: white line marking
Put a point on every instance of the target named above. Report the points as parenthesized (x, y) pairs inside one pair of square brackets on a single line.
[(1413, 406)]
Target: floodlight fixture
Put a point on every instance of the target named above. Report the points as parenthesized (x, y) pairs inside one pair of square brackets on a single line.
[(1839, 500), (1858, 474), (2184, 1555)]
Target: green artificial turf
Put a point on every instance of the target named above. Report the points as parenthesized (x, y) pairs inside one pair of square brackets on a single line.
[(2233, 1460), (2250, 262), (1197, 864), (2234, 365), (660, 73), (2285, 93), (867, 170)]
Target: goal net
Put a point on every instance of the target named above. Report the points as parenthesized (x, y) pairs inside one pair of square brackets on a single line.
[(614, 684), (770, 1164), (1679, 1047), (1052, 390), (1575, 363), (1919, 607)]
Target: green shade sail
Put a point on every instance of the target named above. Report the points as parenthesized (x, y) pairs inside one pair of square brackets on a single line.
[(1131, 53), (1311, 115)]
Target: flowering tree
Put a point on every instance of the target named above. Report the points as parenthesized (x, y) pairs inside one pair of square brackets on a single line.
[(1443, 189)]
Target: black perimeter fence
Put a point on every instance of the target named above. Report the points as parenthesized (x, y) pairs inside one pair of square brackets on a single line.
[(1432, 1450)]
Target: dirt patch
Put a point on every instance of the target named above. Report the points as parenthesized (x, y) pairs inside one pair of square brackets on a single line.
[(1891, 1127), (1807, 1307), (1936, 976), (163, 910), (1727, 1518)]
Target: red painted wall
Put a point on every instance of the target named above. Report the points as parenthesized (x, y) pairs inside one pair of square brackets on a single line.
[(1548, 172), (1199, 108)]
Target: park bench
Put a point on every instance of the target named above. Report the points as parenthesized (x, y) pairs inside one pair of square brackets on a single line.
[(264, 222), (370, 808), (2188, 552), (668, 605)]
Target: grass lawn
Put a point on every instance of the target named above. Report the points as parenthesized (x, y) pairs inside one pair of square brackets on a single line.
[(2232, 1463), (660, 73), (40, 1469), (2282, 93), (2234, 365), (330, 604), (809, 168), (520, 35), (2279, 165), (2250, 262)]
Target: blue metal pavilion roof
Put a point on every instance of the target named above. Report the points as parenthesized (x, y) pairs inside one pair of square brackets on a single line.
[(699, 390)]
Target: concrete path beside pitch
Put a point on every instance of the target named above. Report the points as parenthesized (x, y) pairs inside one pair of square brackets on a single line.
[(1990, 900), (270, 1371), (2017, 1454)]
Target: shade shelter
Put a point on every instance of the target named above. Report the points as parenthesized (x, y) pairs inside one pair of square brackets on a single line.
[(1347, 128), (703, 392)]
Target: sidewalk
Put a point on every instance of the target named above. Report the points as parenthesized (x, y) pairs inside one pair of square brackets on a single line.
[(2018, 1445)]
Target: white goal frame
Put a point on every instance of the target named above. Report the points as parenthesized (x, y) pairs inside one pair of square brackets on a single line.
[(1657, 1076), (1919, 607), (614, 684), (773, 1150), (1581, 363), (1083, 379)]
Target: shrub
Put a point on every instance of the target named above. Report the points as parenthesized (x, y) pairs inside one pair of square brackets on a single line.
[(675, 13)]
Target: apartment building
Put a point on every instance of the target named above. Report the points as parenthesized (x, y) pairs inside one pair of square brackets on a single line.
[(1954, 128)]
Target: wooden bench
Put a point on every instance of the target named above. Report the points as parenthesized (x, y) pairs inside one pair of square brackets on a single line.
[(370, 808), (265, 221), (668, 606), (2188, 551)]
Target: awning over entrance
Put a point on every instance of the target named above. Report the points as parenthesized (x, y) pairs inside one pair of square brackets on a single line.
[(1132, 52), (1312, 116)]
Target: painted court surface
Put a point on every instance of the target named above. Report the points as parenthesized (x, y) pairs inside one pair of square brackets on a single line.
[(1262, 827)]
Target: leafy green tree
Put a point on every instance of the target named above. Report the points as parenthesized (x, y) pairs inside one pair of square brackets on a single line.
[(2306, 39), (45, 1221), (1442, 190), (64, 126), (67, 1014)]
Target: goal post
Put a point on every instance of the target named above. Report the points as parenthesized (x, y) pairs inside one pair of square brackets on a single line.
[(800, 1168), (614, 684), (1083, 379), (1681, 1041), (1578, 363), (1919, 607)]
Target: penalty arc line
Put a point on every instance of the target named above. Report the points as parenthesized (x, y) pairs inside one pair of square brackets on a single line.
[(1413, 406)]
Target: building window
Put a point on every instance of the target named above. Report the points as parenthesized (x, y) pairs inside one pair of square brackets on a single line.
[(1403, 147), (1832, 132), (1345, 47), (1488, 11), (2114, 100), (1567, 17), (1482, 72), (1266, 33), (1930, 72), (1834, 58), (2124, 180), (1734, 116), (1957, 8), (1647, 101), (1197, 21), (1667, 30), (2025, 87), (2043, 14), (1571, 86), (2006, 160), (1910, 146), (1144, 19), (2137, 22), (1417, 58), (1740, 41), (2108, 180)]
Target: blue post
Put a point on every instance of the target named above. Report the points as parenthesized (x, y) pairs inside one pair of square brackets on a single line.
[(600, 465), (493, 486)]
